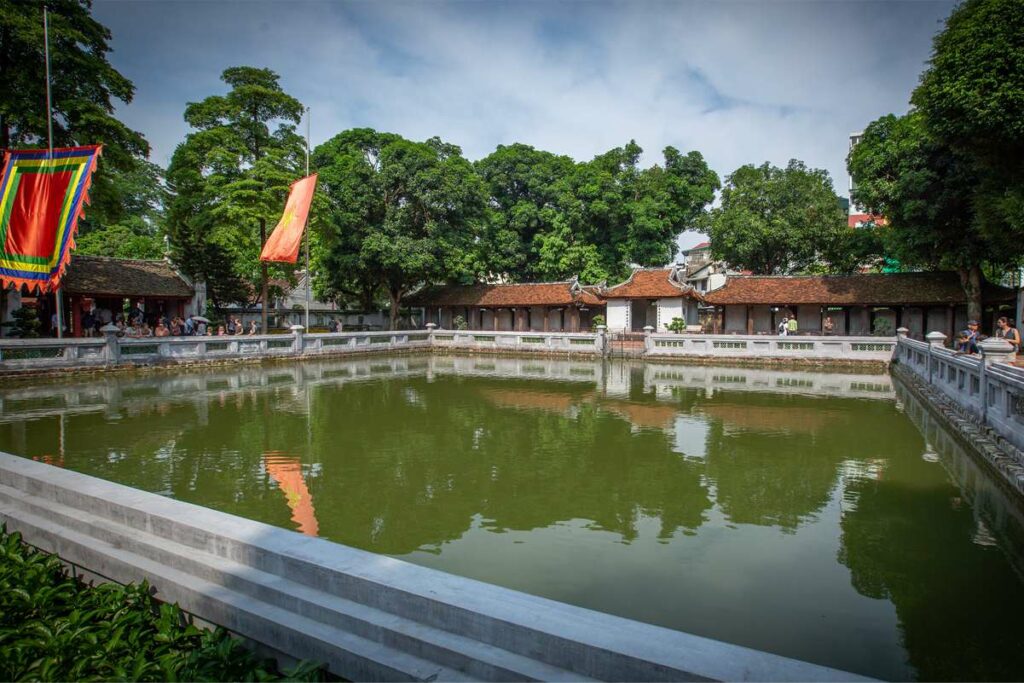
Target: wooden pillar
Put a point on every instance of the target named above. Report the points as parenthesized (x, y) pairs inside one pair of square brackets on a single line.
[(950, 322), (750, 320), (547, 318), (495, 313)]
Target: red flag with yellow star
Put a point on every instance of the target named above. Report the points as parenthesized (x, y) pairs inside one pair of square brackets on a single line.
[(283, 244)]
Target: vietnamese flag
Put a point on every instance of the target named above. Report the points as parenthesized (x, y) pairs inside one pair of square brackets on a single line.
[(283, 244)]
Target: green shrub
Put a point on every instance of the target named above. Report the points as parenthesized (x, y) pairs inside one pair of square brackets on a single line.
[(597, 320), (56, 628), (459, 323), (677, 325)]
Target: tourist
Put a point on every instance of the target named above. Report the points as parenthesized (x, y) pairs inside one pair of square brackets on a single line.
[(239, 327), (161, 330), (230, 326), (104, 316), (1005, 330), (253, 327), (828, 326), (783, 326), (201, 328), (177, 325), (88, 324), (339, 326), (221, 331), (967, 340), (145, 330), (190, 326), (791, 326)]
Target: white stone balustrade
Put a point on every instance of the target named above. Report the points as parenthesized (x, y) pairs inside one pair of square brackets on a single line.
[(987, 387), (768, 346)]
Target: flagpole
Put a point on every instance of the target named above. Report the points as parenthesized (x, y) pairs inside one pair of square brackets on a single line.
[(49, 141), (306, 234)]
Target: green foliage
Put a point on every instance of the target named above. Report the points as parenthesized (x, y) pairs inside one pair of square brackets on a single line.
[(552, 218), (598, 320), (677, 325), (229, 181), (25, 323), (776, 221), (882, 328), (459, 323), (55, 628), (85, 91), (399, 214), (972, 98), (925, 189)]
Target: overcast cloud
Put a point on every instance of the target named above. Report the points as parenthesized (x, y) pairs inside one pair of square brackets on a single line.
[(739, 82)]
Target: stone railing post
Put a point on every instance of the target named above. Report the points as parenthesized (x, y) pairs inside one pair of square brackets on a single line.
[(996, 350), (993, 350), (113, 346), (901, 333), (298, 343), (602, 340), (936, 340), (648, 342), (430, 333)]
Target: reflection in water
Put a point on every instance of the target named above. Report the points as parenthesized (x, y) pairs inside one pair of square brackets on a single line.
[(802, 513), (287, 472)]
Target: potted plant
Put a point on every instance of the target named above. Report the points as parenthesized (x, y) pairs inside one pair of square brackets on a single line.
[(678, 325)]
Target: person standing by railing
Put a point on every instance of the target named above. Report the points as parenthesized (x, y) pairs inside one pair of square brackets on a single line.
[(1005, 330)]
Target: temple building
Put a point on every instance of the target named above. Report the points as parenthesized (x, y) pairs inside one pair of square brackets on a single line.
[(857, 304), (651, 297), (541, 307)]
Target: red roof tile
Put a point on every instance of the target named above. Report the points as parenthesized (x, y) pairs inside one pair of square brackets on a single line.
[(873, 289), (502, 296), (650, 283)]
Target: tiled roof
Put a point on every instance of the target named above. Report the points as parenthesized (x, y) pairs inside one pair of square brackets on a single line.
[(101, 275), (702, 245), (873, 289), (649, 283), (501, 296)]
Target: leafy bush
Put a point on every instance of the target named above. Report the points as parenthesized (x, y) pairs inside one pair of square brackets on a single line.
[(883, 328), (677, 325), (459, 323), (598, 320), (56, 628), (25, 323)]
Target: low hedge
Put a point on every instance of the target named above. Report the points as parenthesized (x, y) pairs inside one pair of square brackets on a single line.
[(54, 627)]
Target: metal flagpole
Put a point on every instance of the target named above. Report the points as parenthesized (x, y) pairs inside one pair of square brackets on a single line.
[(306, 234), (49, 137)]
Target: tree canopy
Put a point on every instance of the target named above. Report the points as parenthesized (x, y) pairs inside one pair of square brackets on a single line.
[(85, 90), (230, 178), (776, 220), (552, 218), (972, 97), (401, 213)]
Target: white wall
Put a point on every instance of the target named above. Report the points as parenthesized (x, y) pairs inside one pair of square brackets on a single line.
[(618, 314), (668, 309), (715, 281)]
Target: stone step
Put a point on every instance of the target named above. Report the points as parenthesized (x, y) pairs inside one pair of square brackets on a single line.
[(471, 657), (346, 654)]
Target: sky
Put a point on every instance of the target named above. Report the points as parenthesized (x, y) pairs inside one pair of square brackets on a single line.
[(739, 82)]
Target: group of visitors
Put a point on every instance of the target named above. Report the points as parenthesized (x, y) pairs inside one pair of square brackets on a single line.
[(136, 326), (788, 326), (967, 340)]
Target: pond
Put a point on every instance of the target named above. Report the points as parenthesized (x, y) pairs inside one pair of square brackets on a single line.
[(821, 516)]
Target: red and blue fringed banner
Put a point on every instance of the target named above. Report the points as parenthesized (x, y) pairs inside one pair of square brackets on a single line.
[(42, 196)]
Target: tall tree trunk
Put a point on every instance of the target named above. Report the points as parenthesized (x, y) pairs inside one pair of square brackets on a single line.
[(970, 280), (396, 302), (264, 305)]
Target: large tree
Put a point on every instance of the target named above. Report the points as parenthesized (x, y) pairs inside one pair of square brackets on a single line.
[(972, 98), (552, 218), (230, 178), (776, 220), (524, 187), (85, 90), (402, 214), (924, 188)]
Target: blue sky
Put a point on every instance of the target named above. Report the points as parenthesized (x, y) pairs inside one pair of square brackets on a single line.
[(739, 82)]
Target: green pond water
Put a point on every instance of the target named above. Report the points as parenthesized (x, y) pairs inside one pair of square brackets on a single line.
[(821, 516)]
